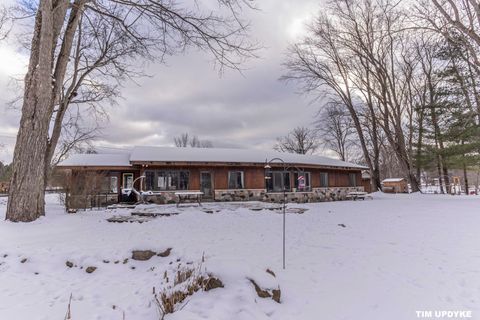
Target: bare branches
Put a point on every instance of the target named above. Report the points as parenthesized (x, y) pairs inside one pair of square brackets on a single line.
[(186, 140), (77, 136), (355, 54), (6, 22), (300, 140), (337, 131), (166, 28), (456, 21)]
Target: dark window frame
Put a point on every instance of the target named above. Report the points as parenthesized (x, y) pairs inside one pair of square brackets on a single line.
[(174, 180), (272, 181), (237, 184), (308, 180), (326, 184), (352, 179)]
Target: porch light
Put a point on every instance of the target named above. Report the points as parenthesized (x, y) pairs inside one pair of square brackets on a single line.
[(267, 166)]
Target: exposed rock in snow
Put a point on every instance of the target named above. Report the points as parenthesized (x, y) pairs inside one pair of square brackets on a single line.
[(142, 255)]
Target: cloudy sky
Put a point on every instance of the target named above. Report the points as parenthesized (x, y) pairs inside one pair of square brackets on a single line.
[(187, 94)]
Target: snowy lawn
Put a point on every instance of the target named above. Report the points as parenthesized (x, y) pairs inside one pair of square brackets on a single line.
[(395, 255)]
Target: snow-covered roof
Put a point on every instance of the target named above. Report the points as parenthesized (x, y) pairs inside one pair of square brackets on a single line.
[(393, 180), (203, 155), (97, 160), (221, 155)]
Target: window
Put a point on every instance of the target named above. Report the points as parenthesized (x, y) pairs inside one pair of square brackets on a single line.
[(113, 184), (149, 180), (159, 180), (108, 184), (323, 179), (352, 178), (127, 181), (302, 181), (235, 180), (276, 180)]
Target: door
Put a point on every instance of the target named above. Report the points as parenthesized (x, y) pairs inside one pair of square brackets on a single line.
[(206, 185), (127, 185), (127, 182)]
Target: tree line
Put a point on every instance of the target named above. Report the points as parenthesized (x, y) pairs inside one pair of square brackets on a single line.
[(398, 82)]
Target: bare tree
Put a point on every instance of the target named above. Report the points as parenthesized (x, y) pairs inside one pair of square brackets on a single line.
[(77, 136), (186, 140), (322, 64), (336, 130), (182, 141), (300, 140), (78, 43), (5, 22), (461, 16)]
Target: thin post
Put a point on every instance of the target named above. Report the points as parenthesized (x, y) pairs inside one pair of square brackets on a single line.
[(284, 204), (267, 166)]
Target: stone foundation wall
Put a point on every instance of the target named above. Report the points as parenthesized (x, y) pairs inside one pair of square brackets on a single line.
[(316, 195), (240, 195), (166, 197)]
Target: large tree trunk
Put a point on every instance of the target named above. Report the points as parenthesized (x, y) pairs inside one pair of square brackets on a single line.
[(26, 194), (33, 150)]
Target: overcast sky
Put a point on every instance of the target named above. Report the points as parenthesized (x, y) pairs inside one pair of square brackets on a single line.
[(188, 95)]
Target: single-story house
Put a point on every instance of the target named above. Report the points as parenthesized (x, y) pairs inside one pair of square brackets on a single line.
[(395, 185), (221, 174)]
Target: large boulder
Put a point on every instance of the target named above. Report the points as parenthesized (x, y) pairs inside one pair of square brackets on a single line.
[(142, 255)]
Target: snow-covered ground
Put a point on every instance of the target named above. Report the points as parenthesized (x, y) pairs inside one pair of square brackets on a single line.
[(396, 254)]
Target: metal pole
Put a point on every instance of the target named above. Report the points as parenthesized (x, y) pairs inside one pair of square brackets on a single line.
[(284, 204), (267, 166)]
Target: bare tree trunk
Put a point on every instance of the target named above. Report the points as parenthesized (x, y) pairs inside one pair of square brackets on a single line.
[(465, 176), (439, 170), (26, 195), (420, 145), (376, 147)]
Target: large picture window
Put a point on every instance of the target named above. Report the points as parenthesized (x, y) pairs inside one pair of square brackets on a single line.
[(236, 180), (277, 180), (323, 179), (163, 180), (302, 181)]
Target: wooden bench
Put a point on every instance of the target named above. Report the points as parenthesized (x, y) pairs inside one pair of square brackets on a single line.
[(358, 195), (184, 195)]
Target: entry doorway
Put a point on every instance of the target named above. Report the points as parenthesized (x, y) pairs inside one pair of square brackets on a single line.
[(206, 184), (127, 181)]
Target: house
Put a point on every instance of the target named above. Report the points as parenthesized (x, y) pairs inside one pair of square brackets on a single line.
[(395, 185), (221, 174)]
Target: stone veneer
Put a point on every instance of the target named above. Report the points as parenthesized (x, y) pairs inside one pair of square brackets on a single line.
[(316, 195)]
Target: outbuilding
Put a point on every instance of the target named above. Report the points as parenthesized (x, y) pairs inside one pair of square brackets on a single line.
[(395, 185)]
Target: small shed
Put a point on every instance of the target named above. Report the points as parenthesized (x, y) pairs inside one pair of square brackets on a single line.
[(395, 185)]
